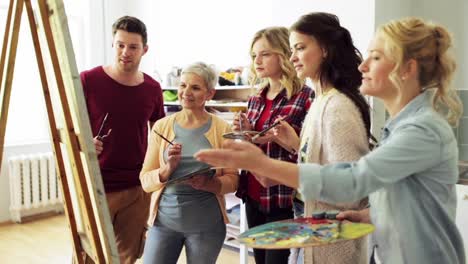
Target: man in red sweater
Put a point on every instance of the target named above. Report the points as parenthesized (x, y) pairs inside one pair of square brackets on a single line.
[(122, 101)]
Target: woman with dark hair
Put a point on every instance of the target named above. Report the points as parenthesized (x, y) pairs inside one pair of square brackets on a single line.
[(411, 177), (323, 51), (339, 60)]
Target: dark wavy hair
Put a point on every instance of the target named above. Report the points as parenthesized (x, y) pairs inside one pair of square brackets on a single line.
[(340, 67)]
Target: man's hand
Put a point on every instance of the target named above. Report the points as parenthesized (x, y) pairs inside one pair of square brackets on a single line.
[(98, 145), (99, 142)]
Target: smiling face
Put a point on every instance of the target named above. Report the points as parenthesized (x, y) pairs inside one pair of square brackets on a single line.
[(128, 49), (266, 61), (307, 55), (193, 91), (376, 69)]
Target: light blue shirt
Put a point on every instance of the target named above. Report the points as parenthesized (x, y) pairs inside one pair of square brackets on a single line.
[(410, 179)]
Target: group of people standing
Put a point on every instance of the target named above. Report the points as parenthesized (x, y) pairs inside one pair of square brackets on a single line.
[(319, 157)]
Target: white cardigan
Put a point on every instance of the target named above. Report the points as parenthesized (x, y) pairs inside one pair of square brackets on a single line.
[(337, 134)]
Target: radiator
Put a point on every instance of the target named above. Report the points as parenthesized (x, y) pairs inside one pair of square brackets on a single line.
[(34, 186)]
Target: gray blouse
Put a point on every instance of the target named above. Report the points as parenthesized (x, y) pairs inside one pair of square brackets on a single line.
[(183, 208)]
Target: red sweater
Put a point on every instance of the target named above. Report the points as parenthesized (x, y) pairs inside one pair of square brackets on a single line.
[(130, 108)]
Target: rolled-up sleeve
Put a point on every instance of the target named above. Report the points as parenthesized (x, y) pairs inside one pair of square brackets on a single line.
[(310, 180), (149, 175), (410, 149)]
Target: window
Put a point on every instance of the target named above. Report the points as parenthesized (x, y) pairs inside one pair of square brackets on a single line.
[(27, 118)]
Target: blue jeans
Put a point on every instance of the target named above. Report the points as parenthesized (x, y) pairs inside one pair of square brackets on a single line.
[(164, 245)]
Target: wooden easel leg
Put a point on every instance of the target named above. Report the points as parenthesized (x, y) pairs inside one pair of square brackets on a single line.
[(88, 260), (72, 140), (87, 246), (54, 132), (5, 88), (6, 37), (82, 257)]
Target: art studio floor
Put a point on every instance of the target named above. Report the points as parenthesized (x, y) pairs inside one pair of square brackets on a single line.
[(47, 241)]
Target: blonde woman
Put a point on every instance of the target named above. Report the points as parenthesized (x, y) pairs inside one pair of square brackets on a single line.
[(281, 95), (410, 178), (192, 213)]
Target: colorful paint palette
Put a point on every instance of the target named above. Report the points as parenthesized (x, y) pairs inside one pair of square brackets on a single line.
[(303, 232), (244, 135)]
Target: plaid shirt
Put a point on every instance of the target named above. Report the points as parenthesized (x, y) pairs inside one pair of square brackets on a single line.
[(278, 196)]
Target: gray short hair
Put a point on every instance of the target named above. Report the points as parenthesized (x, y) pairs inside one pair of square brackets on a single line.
[(207, 72)]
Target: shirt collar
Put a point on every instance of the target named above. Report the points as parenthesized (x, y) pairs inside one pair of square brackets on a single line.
[(264, 90), (412, 107)]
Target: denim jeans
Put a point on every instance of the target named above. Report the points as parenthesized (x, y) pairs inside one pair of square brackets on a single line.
[(164, 245)]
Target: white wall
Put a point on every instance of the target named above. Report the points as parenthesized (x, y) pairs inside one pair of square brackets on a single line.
[(462, 214), (94, 18), (463, 67), (452, 14), (212, 31), (180, 32), (112, 10), (357, 17)]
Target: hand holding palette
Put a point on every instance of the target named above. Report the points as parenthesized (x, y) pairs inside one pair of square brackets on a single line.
[(303, 232)]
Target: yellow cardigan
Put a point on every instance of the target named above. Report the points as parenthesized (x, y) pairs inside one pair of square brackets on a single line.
[(154, 159)]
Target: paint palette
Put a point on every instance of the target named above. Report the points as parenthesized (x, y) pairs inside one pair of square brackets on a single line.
[(209, 172), (244, 135), (303, 232)]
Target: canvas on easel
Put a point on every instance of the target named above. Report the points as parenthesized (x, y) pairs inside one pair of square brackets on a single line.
[(84, 197)]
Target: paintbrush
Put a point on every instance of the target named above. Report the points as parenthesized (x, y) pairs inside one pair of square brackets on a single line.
[(263, 132), (167, 140), (102, 125), (240, 121)]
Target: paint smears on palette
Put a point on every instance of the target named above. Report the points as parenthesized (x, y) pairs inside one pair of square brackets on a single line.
[(303, 232), (244, 135)]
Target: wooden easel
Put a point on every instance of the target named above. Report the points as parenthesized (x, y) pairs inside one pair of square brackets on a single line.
[(83, 192)]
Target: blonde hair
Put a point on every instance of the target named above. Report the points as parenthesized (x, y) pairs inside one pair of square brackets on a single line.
[(429, 44), (278, 38)]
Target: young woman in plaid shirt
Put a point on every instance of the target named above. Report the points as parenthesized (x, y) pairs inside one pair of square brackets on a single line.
[(281, 94)]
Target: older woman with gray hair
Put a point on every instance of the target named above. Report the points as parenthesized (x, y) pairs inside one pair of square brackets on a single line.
[(189, 212)]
